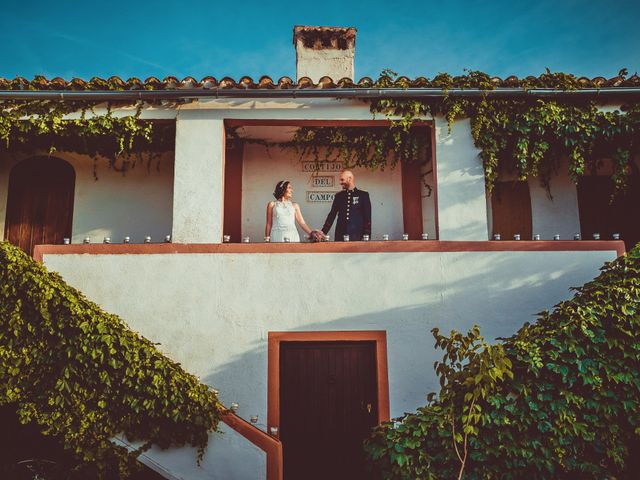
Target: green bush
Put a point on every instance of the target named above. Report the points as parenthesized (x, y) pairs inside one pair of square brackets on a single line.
[(560, 399), (81, 375)]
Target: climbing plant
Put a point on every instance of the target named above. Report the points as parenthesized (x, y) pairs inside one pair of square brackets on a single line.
[(473, 368), (528, 138), (368, 147), (82, 376), (84, 127), (560, 399), (371, 147)]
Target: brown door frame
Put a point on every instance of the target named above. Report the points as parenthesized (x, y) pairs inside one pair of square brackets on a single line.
[(412, 199), (508, 210), (411, 175), (232, 198), (14, 183), (382, 375)]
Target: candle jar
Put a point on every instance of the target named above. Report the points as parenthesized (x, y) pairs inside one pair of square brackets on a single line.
[(596, 236), (616, 236), (267, 239), (107, 239), (556, 237), (496, 236), (246, 239), (345, 238), (286, 240), (385, 237), (87, 240), (365, 238), (425, 236), (126, 240), (226, 238), (536, 236), (516, 236), (576, 236), (147, 239), (405, 236), (167, 238), (66, 241)]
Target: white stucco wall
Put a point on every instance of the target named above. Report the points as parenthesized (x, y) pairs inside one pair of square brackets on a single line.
[(199, 177), (556, 211), (463, 210), (135, 203), (317, 63), (263, 168), (212, 312), (428, 192), (462, 206)]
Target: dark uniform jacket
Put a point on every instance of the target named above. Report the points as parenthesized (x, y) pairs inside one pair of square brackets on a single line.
[(353, 208)]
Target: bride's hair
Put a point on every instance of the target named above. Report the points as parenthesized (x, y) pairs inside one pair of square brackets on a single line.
[(281, 187)]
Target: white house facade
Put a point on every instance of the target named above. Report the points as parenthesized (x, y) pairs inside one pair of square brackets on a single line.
[(313, 341)]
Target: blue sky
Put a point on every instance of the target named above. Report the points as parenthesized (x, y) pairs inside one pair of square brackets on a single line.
[(78, 39)]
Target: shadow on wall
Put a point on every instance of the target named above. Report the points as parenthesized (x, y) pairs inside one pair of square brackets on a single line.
[(25, 453), (500, 295), (215, 320), (135, 203), (474, 229)]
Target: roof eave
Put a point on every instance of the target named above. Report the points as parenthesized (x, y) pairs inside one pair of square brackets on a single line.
[(409, 93)]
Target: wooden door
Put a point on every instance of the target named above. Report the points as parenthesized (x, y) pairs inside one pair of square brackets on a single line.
[(40, 202), (511, 210), (232, 222), (412, 199), (599, 214), (328, 407)]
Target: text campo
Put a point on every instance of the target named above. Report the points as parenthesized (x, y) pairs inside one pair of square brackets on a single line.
[(320, 196)]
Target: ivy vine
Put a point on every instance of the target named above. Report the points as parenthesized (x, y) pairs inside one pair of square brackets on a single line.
[(370, 147), (559, 399), (82, 376), (26, 126), (528, 138)]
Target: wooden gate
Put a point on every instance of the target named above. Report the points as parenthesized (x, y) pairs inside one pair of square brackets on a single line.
[(328, 405), (40, 202)]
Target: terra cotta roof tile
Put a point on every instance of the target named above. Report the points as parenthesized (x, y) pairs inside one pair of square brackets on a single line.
[(39, 82)]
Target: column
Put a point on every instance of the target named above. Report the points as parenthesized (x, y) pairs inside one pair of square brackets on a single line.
[(462, 204), (198, 186)]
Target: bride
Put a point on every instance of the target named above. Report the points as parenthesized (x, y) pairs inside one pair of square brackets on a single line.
[(282, 215)]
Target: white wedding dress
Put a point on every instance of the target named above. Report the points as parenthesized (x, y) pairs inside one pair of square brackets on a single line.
[(283, 222)]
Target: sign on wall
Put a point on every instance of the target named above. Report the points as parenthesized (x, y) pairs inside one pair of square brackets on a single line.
[(322, 181), (316, 197), (260, 172), (321, 166)]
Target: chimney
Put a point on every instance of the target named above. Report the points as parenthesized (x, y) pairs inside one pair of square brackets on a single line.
[(324, 51)]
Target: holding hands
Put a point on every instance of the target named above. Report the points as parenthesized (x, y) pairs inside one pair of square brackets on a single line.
[(317, 236)]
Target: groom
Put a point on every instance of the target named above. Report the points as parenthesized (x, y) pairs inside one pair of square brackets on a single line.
[(353, 208)]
